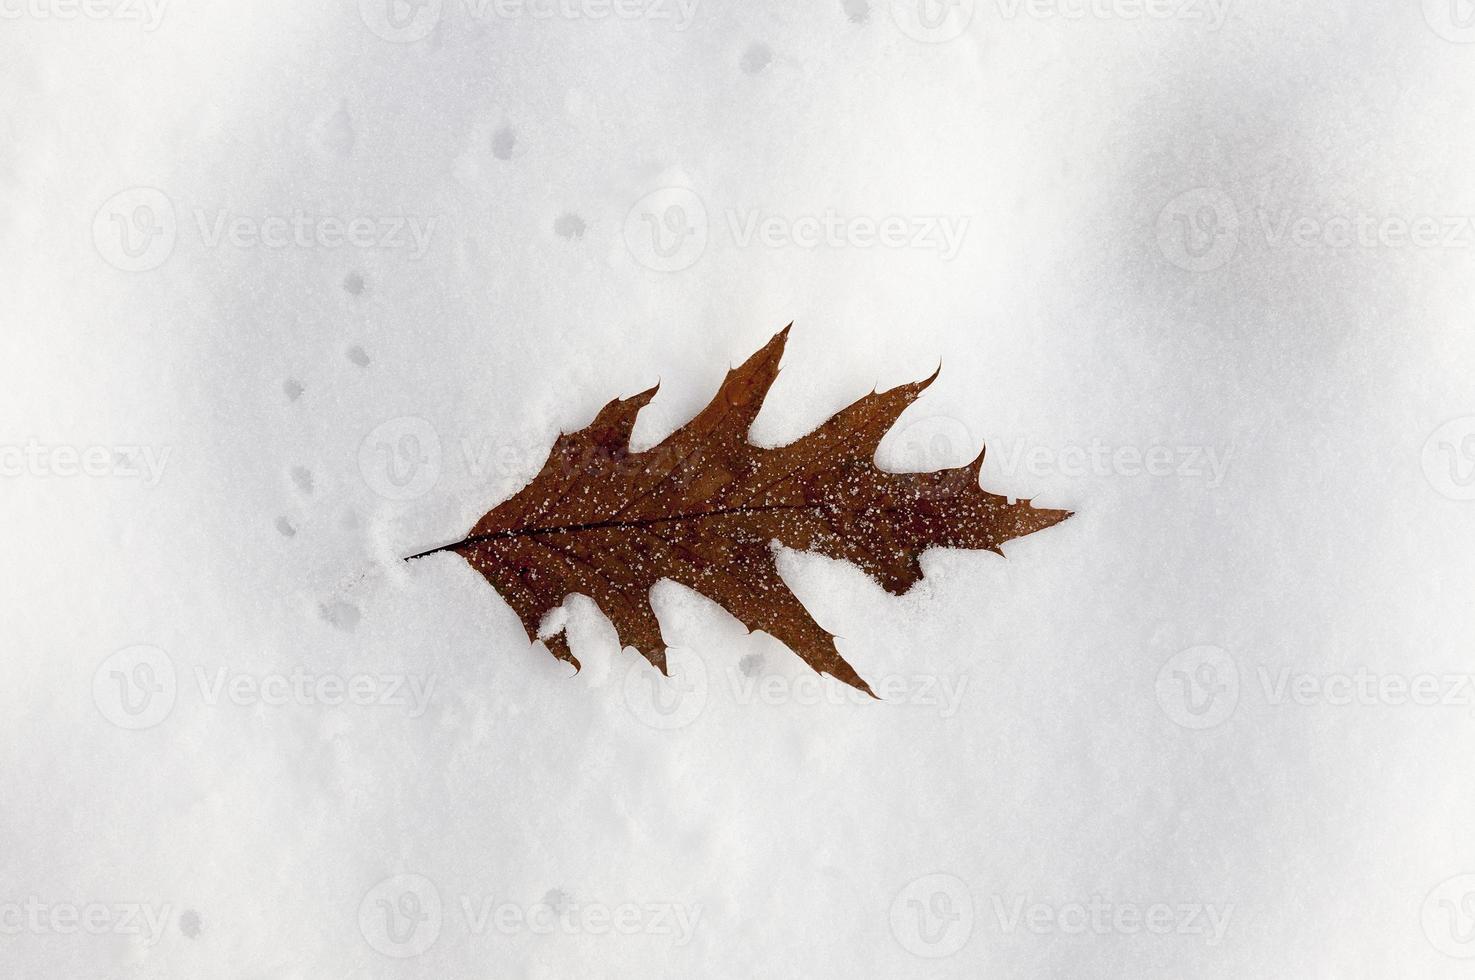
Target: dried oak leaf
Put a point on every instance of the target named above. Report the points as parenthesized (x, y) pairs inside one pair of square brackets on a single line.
[(703, 507)]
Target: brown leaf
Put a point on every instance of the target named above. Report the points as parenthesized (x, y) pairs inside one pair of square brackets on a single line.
[(703, 507)]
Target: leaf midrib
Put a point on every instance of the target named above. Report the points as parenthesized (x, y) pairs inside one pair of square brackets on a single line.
[(522, 532)]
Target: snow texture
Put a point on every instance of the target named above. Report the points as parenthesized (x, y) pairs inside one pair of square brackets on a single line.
[(292, 290)]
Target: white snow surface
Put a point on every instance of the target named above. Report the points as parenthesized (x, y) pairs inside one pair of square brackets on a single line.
[(1188, 733)]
